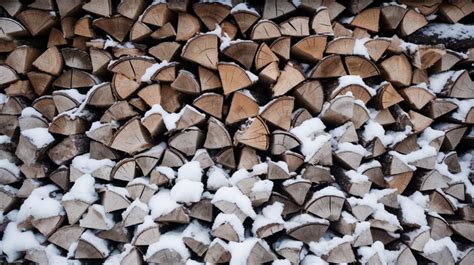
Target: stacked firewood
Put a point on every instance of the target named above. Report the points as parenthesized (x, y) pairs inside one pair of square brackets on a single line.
[(180, 132)]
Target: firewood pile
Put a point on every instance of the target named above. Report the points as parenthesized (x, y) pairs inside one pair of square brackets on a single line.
[(284, 132)]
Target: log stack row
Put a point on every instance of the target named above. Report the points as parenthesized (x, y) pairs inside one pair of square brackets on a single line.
[(180, 132)]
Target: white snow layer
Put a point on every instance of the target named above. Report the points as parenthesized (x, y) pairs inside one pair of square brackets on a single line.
[(187, 191), (39, 137), (312, 136), (162, 203), (40, 204), (170, 240), (83, 189), (234, 195)]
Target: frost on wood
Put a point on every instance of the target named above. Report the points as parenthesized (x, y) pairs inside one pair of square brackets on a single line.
[(236, 132)]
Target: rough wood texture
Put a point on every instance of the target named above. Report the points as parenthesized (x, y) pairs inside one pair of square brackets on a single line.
[(241, 132)]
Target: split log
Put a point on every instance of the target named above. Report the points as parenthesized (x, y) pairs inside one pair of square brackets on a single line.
[(262, 102), (197, 46)]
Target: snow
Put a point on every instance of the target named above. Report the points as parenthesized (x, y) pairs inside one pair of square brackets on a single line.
[(281, 262), (5, 139), (99, 243), (155, 2), (438, 81), (233, 221), (394, 3), (72, 249), (455, 31), (373, 129), (191, 171), (11, 244), (12, 168), (40, 205), (350, 147), (313, 260), (366, 166), (434, 246), (253, 78), (287, 243), (247, 93), (326, 244), (234, 195), (118, 256), (412, 213), (295, 180), (144, 181), (224, 2), (198, 232), (302, 219), (226, 42), (347, 80), (240, 251), (356, 177), (107, 217), (271, 214), (162, 203), (119, 190), (311, 134), (296, 2), (371, 200), (167, 171), (408, 47), (193, 262), (169, 119), (328, 191), (260, 169), (386, 256), (243, 7), (88, 165), (55, 258), (3, 98), (187, 191), (463, 176), (96, 125), (338, 132), (39, 137), (135, 203), (360, 228), (424, 152), (217, 178), (239, 175), (83, 189), (415, 233), (360, 49), (464, 106), (30, 112), (283, 165), (147, 223), (263, 186), (170, 240), (150, 71), (9, 189), (348, 218), (428, 135), (73, 93), (110, 43), (346, 20)]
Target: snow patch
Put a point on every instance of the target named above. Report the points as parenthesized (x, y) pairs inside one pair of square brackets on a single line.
[(170, 240), (40, 204), (39, 137), (83, 189), (234, 195), (187, 191)]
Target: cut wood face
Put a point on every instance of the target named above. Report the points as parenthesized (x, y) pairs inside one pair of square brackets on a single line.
[(240, 132)]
